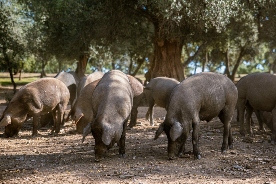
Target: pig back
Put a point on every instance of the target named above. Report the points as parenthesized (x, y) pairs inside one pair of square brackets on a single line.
[(88, 79), (206, 94), (48, 91), (259, 89), (160, 89), (112, 97)]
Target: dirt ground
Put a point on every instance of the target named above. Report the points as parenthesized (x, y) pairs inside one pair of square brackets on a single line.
[(65, 159)]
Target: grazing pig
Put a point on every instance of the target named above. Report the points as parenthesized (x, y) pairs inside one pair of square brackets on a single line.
[(112, 104), (82, 109), (71, 80), (257, 92), (158, 92), (88, 79), (33, 100), (197, 98), (138, 96)]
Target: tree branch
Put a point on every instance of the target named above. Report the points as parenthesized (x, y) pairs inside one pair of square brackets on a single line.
[(200, 48)]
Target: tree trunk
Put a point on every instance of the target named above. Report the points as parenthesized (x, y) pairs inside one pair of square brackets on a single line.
[(140, 62), (13, 83), (167, 60), (20, 72), (8, 62), (130, 64), (43, 73), (237, 64), (231, 75), (195, 67), (205, 61), (59, 65), (198, 51), (81, 65), (227, 63)]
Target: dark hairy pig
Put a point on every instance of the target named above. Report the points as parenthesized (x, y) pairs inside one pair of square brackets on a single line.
[(257, 92), (33, 100), (112, 104), (198, 98), (158, 92)]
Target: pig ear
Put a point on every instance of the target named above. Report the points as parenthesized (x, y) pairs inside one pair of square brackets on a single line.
[(86, 131), (159, 131), (176, 131), (78, 115), (5, 121), (107, 135)]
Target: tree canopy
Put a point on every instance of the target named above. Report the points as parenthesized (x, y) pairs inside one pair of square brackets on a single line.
[(161, 38)]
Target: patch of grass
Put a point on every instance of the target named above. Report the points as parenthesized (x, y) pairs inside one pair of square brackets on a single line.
[(22, 82)]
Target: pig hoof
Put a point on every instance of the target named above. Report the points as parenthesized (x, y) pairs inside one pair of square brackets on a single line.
[(242, 132), (172, 158), (231, 147), (122, 155), (261, 131), (251, 134), (197, 157), (97, 160), (53, 134)]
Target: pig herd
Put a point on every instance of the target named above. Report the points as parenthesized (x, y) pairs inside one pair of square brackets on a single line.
[(102, 104)]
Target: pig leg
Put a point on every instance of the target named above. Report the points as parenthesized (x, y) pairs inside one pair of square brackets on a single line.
[(134, 111), (241, 110), (273, 135), (150, 113), (133, 117), (260, 118), (35, 124), (195, 126), (60, 114), (230, 138), (55, 121), (225, 118), (249, 111), (183, 139), (171, 148), (122, 148)]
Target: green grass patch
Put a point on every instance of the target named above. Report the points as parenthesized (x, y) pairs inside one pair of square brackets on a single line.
[(7, 81)]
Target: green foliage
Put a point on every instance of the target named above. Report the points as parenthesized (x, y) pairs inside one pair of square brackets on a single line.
[(13, 29), (119, 34), (30, 65)]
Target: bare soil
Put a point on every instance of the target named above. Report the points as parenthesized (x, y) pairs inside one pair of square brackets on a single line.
[(65, 159)]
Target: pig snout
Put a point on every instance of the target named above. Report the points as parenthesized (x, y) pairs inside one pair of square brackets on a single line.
[(100, 150)]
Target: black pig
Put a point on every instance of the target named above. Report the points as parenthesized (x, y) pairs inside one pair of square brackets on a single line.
[(199, 97)]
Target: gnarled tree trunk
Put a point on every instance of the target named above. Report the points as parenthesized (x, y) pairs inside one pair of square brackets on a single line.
[(167, 60), (43, 64), (81, 65)]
